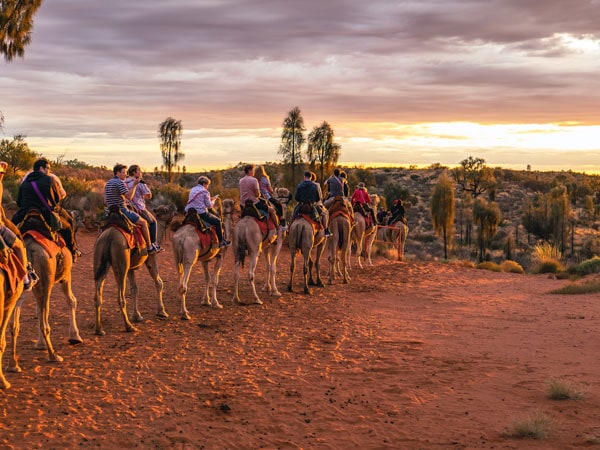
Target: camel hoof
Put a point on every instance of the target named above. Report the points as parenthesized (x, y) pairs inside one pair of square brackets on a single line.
[(75, 341), (55, 359), (217, 305), (289, 289), (14, 369), (100, 333), (308, 291), (258, 302), (186, 316), (162, 314), (130, 329), (138, 318), (276, 294), (4, 384)]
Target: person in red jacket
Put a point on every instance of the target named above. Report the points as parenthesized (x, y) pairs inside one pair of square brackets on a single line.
[(361, 197)]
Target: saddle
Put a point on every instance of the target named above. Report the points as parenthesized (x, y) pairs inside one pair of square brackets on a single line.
[(359, 208), (340, 207), (308, 210), (52, 247), (132, 234), (35, 220), (205, 231), (13, 267), (250, 209)]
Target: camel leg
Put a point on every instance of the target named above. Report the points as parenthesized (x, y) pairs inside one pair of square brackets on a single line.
[(184, 275), (4, 384), (15, 328), (207, 279), (267, 255), (274, 255), (74, 337), (121, 288), (292, 269), (236, 282), (44, 341), (319, 254), (307, 271), (215, 281), (152, 266), (369, 246), (136, 316), (253, 257), (99, 330)]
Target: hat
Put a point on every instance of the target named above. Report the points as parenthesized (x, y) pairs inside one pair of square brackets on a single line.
[(361, 185)]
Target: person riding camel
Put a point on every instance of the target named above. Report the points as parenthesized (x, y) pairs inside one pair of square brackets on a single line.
[(323, 212), (307, 192), (250, 191), (138, 201), (116, 193), (335, 187), (201, 201), (361, 198), (397, 212), (266, 191), (42, 190), (11, 237)]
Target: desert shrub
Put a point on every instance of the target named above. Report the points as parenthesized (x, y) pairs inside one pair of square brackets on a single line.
[(535, 425), (173, 193), (564, 390), (11, 188), (488, 265), (548, 266), (76, 187), (546, 251), (590, 287), (511, 267), (588, 266), (462, 263)]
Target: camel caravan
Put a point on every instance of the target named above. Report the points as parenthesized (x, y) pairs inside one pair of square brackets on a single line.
[(39, 250)]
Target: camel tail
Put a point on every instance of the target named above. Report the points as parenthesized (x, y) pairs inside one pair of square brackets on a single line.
[(104, 262), (240, 254)]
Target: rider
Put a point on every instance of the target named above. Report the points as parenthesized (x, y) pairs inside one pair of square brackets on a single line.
[(397, 212), (200, 200), (335, 187), (346, 189), (308, 192), (138, 201), (266, 190), (323, 212), (361, 197), (8, 233), (42, 190), (116, 193), (250, 190)]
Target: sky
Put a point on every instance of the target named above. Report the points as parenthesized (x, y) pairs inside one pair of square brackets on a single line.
[(515, 82)]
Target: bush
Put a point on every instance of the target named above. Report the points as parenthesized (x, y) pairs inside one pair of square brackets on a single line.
[(588, 266), (511, 267), (546, 251), (548, 266), (564, 390), (488, 265), (535, 425), (174, 194)]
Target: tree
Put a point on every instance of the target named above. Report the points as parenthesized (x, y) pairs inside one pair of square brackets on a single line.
[(442, 210), (292, 139), (169, 133), (487, 215), (322, 152), (474, 176), (16, 23), (17, 154)]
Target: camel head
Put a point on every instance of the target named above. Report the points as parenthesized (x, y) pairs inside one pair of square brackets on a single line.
[(374, 200)]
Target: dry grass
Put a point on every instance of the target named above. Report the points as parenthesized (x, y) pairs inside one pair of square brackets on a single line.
[(535, 425), (590, 287), (488, 265), (564, 390), (511, 267)]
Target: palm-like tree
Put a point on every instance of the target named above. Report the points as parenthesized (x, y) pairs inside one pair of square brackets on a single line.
[(169, 133), (322, 151), (292, 139), (442, 210), (16, 23)]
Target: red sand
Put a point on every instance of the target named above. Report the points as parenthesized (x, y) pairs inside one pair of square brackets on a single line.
[(408, 356)]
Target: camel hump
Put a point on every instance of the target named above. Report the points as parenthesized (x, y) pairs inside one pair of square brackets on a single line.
[(115, 217)]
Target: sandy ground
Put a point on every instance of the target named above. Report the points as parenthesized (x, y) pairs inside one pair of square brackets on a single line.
[(410, 355)]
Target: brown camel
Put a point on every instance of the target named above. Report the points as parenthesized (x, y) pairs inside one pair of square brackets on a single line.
[(52, 268), (362, 236), (188, 249), (248, 237), (303, 238), (397, 233), (8, 301), (112, 250), (164, 215), (340, 226)]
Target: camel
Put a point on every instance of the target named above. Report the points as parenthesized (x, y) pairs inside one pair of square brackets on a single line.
[(303, 238), (248, 237), (164, 216), (111, 249), (340, 225), (363, 237), (396, 232), (9, 294), (189, 249)]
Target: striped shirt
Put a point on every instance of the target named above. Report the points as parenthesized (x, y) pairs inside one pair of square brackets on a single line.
[(114, 192)]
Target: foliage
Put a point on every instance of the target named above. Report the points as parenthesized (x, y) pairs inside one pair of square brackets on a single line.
[(17, 154), (564, 390), (548, 266), (487, 215), (322, 152), (392, 191), (442, 210), (474, 176), (488, 265), (546, 251), (590, 287), (358, 174), (535, 425), (292, 140), (589, 266), (511, 267), (169, 132), (16, 24), (172, 193)]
